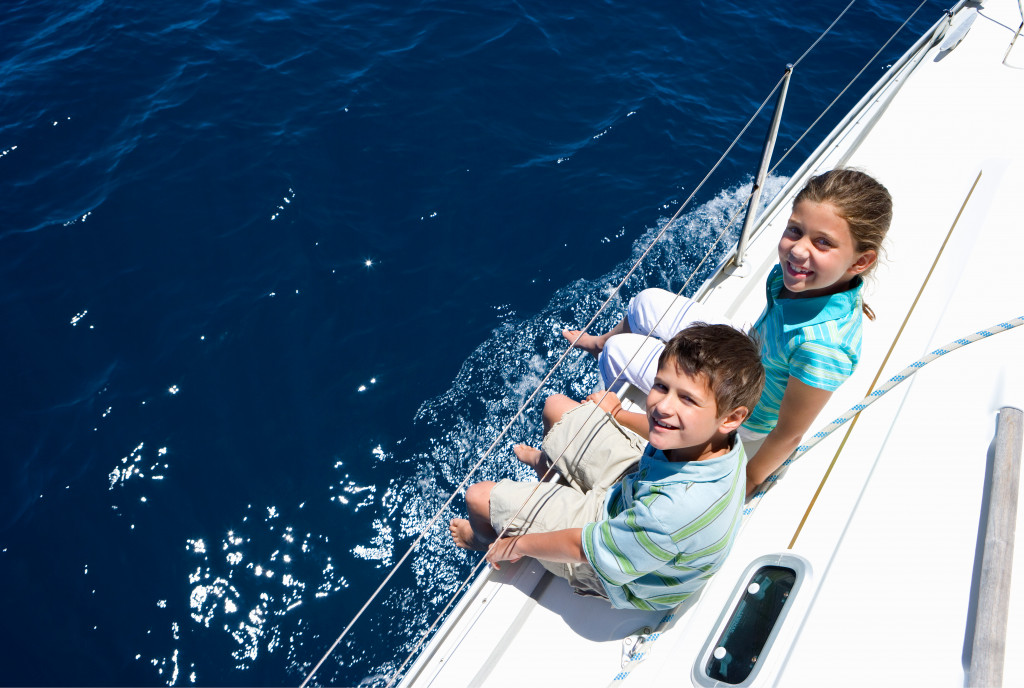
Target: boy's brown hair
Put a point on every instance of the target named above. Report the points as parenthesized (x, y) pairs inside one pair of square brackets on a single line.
[(730, 359)]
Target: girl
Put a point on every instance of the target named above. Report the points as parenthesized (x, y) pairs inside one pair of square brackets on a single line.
[(810, 330)]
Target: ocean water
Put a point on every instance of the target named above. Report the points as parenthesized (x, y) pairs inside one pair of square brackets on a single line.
[(274, 275)]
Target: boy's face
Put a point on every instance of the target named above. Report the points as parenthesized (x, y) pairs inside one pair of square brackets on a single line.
[(682, 415)]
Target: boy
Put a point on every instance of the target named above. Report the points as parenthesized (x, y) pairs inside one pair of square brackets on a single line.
[(643, 535)]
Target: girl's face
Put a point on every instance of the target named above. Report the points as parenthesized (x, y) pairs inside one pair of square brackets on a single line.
[(817, 252)]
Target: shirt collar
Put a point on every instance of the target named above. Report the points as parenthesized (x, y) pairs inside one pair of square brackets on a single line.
[(708, 470), (816, 309)]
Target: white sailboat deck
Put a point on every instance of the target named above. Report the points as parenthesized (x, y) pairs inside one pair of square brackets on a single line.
[(893, 537)]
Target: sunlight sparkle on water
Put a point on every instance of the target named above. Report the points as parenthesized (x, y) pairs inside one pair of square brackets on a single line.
[(262, 600)]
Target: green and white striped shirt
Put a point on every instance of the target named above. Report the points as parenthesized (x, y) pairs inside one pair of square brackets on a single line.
[(817, 340), (669, 526)]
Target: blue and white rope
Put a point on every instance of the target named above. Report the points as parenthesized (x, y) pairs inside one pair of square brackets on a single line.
[(644, 646), (640, 650), (875, 396)]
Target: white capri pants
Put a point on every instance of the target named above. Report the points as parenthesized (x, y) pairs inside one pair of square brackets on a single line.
[(634, 356)]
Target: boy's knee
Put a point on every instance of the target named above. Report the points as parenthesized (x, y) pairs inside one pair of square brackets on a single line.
[(478, 496), (555, 406)]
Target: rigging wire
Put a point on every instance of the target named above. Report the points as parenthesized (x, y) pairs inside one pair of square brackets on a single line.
[(554, 462), (540, 386), (824, 33), (867, 64), (526, 404)]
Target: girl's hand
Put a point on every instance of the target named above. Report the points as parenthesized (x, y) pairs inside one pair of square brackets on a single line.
[(608, 402), (501, 550)]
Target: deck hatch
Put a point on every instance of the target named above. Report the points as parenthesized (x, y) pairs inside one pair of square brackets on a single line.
[(738, 648), (737, 651)]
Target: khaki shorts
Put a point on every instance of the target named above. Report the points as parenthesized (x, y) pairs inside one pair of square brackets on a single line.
[(591, 452)]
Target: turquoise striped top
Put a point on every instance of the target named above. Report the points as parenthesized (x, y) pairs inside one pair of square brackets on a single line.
[(816, 340), (669, 526)]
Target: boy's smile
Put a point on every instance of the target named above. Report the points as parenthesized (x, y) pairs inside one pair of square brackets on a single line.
[(817, 252), (683, 417)]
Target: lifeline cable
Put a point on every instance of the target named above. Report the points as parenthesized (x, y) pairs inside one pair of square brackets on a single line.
[(540, 386), (732, 220), (824, 33), (554, 462), (603, 306), (806, 131), (584, 330), (902, 376)]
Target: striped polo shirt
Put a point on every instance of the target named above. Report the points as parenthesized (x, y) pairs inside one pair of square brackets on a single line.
[(816, 340), (669, 526)]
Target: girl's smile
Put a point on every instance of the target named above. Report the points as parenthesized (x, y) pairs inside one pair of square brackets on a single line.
[(817, 252)]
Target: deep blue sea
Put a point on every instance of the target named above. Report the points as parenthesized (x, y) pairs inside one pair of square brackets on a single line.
[(275, 274)]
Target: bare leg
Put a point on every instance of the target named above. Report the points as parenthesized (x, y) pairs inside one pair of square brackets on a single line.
[(556, 406), (594, 343), (534, 458), (475, 533)]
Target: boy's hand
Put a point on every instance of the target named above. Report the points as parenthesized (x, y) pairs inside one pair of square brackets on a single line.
[(608, 402), (501, 550)]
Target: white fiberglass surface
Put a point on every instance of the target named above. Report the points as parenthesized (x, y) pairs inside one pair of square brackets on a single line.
[(894, 602), (898, 593)]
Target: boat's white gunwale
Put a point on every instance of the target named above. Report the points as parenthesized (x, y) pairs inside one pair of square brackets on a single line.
[(675, 650)]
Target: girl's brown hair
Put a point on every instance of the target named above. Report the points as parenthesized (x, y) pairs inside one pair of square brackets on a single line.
[(859, 199)]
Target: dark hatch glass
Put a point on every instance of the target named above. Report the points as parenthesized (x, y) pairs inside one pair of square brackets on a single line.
[(738, 650)]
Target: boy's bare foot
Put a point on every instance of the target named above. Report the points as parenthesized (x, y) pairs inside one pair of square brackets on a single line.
[(464, 536), (532, 457), (590, 343)]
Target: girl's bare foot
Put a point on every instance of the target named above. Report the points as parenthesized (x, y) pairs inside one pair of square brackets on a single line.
[(534, 458), (592, 344), (464, 536)]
